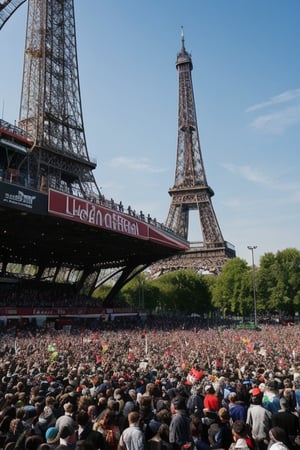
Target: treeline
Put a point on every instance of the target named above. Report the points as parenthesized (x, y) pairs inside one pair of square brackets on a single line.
[(276, 281)]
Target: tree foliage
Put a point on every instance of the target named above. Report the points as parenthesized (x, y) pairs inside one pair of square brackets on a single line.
[(182, 291), (232, 293), (279, 281)]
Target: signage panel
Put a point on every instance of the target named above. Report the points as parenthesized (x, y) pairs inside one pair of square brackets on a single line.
[(80, 210), (19, 197)]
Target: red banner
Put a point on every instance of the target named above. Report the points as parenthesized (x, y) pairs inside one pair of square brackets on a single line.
[(80, 210)]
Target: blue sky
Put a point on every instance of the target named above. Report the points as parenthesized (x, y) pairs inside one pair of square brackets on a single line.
[(246, 81)]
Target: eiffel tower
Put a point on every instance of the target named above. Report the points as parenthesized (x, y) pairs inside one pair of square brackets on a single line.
[(191, 190)]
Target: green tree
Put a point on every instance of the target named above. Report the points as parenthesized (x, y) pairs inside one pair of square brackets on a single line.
[(184, 291), (279, 280), (140, 292), (232, 290), (102, 291)]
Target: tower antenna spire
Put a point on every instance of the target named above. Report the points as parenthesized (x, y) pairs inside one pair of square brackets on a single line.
[(182, 38)]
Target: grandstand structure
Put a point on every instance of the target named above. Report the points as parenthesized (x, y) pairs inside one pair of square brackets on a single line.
[(55, 224)]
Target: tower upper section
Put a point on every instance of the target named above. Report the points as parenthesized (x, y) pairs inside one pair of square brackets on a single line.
[(50, 109), (189, 168)]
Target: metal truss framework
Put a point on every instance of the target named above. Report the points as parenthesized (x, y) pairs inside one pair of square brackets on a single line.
[(50, 109), (190, 190)]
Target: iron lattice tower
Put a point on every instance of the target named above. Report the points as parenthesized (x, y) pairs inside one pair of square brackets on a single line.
[(190, 190), (50, 109)]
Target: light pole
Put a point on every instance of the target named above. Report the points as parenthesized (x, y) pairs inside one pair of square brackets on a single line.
[(252, 248)]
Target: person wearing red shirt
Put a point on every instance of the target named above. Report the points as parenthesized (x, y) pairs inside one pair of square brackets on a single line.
[(211, 401)]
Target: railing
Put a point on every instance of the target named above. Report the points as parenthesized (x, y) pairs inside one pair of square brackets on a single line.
[(200, 244), (14, 129)]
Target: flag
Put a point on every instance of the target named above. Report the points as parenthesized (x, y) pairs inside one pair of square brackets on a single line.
[(51, 348)]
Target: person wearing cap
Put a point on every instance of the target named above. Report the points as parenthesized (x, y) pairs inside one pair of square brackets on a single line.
[(259, 419), (52, 437)]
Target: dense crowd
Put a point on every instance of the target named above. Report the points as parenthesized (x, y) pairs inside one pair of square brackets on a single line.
[(44, 295), (153, 386), (189, 261)]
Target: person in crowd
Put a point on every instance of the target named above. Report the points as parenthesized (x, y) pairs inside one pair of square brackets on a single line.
[(237, 410), (278, 439), (15, 433), (288, 392), (240, 436), (133, 437), (67, 437), (195, 401), (180, 432), (286, 420), (220, 435), (160, 441), (211, 401), (52, 437), (31, 443), (108, 428), (197, 434), (46, 419), (130, 404), (161, 417), (66, 420), (271, 396), (259, 419)]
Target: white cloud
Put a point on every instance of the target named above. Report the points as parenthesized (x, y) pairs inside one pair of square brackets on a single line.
[(255, 176), (285, 97), (139, 164), (277, 122), (249, 173)]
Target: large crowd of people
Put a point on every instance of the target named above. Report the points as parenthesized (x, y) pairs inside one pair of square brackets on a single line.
[(159, 384)]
